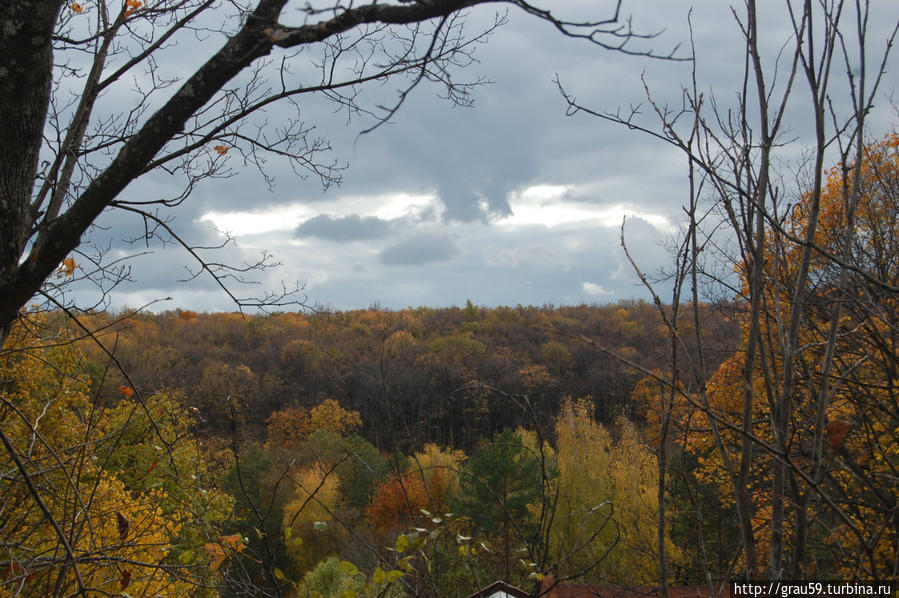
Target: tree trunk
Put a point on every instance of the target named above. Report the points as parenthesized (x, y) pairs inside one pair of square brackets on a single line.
[(26, 29)]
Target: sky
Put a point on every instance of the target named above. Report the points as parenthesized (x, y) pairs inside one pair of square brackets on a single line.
[(509, 201)]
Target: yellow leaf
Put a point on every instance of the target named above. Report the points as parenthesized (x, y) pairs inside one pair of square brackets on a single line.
[(348, 568), (406, 564), (76, 8), (402, 543), (220, 149), (216, 554), (127, 391), (68, 266), (394, 575)]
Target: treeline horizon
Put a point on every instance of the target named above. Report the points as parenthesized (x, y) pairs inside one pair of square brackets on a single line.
[(425, 375)]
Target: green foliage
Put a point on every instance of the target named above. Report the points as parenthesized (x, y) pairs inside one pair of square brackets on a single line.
[(260, 497), (458, 348), (497, 488), (150, 449), (556, 355), (360, 469), (329, 580), (440, 557), (471, 311), (357, 464), (499, 483)]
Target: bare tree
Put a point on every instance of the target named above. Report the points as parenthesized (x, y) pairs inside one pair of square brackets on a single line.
[(765, 214)]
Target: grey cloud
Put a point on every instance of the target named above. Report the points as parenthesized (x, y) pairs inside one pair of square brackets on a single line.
[(420, 250), (516, 135), (347, 228), (646, 244)]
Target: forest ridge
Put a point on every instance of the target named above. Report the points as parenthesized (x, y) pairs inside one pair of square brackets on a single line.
[(415, 376)]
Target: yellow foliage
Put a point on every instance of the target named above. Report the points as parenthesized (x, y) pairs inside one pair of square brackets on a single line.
[(434, 459), (607, 497), (309, 525), (287, 429), (853, 452), (329, 416), (63, 499), (534, 376)]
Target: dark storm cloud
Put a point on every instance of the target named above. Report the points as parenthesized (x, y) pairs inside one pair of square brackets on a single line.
[(517, 134), (473, 157), (347, 228), (419, 250)]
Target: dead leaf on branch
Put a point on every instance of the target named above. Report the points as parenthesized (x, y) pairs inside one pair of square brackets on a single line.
[(836, 432), (131, 6), (68, 267), (123, 526)]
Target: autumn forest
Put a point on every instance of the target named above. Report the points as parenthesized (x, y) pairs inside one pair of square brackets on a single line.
[(430, 451), (737, 420), (450, 446)]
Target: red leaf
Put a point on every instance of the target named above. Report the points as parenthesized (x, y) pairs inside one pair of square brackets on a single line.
[(835, 432)]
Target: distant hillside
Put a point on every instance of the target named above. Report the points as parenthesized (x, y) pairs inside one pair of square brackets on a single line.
[(415, 376)]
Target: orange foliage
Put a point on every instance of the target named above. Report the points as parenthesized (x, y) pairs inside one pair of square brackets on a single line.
[(131, 6), (860, 408), (288, 428), (403, 498), (425, 486)]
